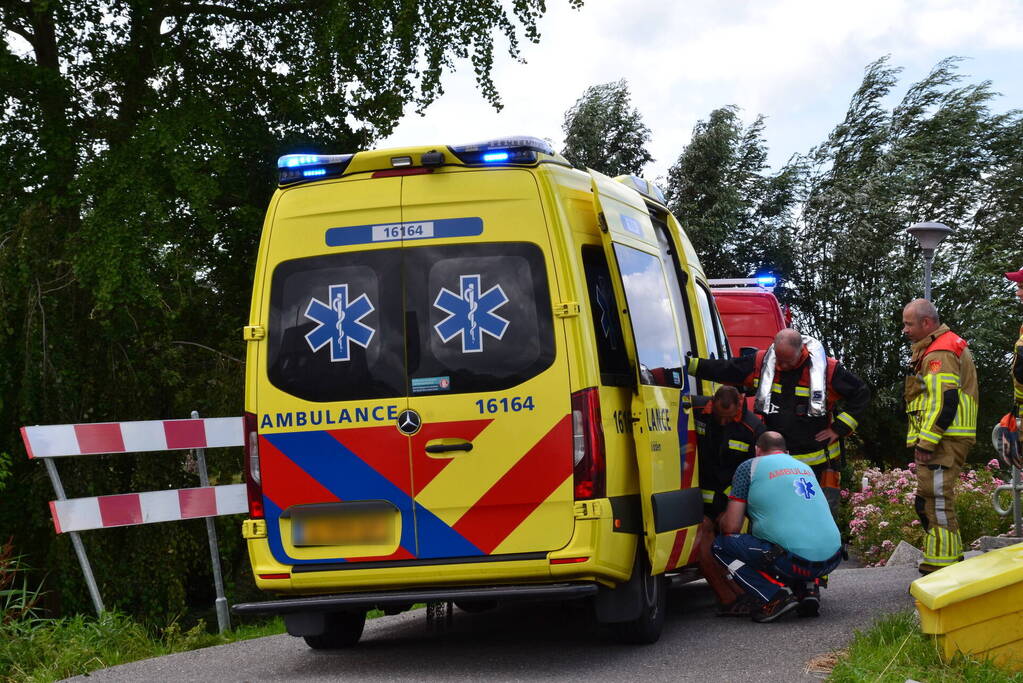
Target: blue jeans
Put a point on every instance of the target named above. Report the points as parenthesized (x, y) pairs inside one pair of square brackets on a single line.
[(763, 569)]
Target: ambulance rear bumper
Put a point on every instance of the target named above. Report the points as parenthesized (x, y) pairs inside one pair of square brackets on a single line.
[(382, 599)]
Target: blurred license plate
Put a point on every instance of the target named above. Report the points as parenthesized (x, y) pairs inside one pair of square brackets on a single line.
[(345, 527)]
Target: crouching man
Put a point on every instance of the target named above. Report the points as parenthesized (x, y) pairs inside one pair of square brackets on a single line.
[(794, 539)]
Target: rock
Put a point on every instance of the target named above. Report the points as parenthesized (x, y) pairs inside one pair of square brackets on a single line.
[(904, 554), (993, 542)]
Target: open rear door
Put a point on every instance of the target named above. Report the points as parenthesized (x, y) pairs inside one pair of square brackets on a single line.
[(652, 339)]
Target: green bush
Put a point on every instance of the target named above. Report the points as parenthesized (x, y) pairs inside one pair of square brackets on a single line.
[(882, 514)]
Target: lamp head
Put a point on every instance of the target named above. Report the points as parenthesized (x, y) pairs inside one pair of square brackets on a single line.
[(929, 235)]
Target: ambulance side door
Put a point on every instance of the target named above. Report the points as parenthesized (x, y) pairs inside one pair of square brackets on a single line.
[(652, 338)]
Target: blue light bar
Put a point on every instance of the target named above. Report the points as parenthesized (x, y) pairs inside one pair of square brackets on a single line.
[(294, 168), (523, 150), (767, 280)]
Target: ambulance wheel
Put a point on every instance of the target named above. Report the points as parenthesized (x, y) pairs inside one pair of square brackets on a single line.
[(343, 630), (653, 597)]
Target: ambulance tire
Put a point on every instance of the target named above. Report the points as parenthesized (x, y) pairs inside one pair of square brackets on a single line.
[(653, 596), (343, 630)]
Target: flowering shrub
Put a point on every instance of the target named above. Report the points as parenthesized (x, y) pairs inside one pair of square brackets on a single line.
[(882, 514)]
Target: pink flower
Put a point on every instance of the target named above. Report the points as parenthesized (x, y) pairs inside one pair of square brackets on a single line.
[(992, 464)]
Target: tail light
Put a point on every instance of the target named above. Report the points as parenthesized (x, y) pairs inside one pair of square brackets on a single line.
[(253, 479), (590, 467)]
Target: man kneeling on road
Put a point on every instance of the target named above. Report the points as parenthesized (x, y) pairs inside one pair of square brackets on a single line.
[(794, 538)]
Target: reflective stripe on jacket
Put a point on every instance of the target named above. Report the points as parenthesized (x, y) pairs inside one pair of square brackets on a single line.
[(942, 363)]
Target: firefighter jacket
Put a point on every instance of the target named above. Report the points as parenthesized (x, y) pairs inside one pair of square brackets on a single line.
[(721, 449), (941, 390), (790, 391), (1017, 374)]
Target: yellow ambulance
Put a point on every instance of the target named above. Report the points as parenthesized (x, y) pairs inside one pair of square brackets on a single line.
[(465, 383)]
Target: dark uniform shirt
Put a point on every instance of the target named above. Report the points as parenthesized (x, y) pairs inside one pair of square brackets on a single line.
[(722, 448), (791, 417)]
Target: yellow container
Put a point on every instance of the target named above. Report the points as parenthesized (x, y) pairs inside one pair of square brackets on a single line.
[(976, 606)]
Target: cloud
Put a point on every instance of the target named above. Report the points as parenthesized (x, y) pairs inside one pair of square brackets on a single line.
[(796, 61)]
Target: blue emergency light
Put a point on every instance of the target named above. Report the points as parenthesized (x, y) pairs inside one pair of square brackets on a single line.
[(767, 280), (524, 150), (292, 168)]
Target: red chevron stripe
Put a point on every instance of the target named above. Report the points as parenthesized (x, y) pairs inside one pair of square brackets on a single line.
[(290, 485), (689, 463), (425, 468), (520, 491), (676, 548), (385, 449), (287, 484)]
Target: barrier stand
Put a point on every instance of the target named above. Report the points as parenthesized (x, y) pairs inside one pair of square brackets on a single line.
[(70, 516), (76, 541), (223, 616)]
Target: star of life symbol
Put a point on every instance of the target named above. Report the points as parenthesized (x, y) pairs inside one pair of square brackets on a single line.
[(804, 488), (470, 313), (339, 323), (604, 297)]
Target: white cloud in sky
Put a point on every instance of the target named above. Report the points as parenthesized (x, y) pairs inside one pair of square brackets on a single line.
[(796, 61)]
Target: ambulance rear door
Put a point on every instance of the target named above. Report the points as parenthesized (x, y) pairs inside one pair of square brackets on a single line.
[(488, 375)]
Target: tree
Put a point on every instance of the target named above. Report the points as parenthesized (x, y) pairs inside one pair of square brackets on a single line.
[(739, 218), (604, 132), (136, 143), (939, 154)]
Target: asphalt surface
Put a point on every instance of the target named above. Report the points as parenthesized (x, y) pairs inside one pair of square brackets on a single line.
[(555, 641)]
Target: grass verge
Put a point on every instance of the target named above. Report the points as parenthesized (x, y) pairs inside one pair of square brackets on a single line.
[(894, 650), (52, 649)]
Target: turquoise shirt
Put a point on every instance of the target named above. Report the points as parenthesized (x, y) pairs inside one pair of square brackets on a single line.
[(787, 506)]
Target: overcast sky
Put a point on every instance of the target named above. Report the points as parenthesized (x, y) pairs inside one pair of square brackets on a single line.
[(798, 62)]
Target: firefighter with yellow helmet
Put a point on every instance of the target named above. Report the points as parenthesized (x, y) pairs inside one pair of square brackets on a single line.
[(941, 402)]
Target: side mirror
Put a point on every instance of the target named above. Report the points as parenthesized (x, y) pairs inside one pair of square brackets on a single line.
[(748, 351)]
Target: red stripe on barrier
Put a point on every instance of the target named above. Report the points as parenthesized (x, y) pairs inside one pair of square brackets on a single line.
[(100, 438), (120, 510), (53, 514), (185, 434), (28, 446), (197, 503), (520, 491)]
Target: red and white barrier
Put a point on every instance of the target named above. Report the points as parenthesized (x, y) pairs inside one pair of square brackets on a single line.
[(101, 512), (53, 441)]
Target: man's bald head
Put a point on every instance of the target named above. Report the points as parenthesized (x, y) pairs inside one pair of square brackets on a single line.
[(770, 442), (788, 348), (919, 319)]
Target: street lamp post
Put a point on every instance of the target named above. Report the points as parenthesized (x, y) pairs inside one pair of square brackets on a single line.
[(929, 235)]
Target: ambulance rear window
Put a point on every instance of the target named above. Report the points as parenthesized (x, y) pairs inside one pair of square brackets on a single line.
[(336, 327), (482, 316)]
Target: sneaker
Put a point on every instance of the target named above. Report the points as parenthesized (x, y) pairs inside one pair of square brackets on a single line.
[(742, 606), (809, 601), (780, 606)]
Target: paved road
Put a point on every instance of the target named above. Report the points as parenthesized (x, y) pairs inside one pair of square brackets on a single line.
[(552, 642)]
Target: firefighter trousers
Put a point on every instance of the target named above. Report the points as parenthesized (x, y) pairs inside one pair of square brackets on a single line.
[(935, 501)]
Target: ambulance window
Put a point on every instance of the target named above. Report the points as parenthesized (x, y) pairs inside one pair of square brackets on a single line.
[(611, 356), (717, 345), (335, 330), (653, 325), (479, 317), (677, 279)]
